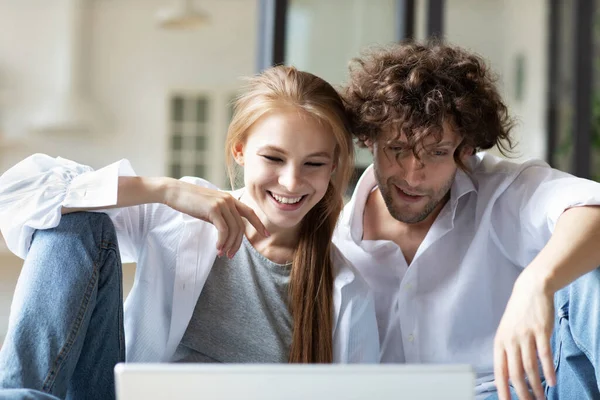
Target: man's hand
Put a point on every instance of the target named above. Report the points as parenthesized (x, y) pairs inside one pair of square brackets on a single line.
[(523, 337)]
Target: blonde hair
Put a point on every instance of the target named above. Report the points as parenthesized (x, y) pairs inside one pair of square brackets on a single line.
[(312, 276)]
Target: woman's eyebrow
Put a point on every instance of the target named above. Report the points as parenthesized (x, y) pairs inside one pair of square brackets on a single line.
[(280, 150)]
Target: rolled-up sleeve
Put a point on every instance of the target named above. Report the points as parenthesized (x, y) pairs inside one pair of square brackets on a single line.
[(546, 193), (33, 192), (536, 198)]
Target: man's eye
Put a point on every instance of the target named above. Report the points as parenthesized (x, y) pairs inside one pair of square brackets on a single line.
[(397, 149), (439, 153)]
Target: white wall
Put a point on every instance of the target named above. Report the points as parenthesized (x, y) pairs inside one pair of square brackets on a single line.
[(526, 33), (132, 66), (323, 36)]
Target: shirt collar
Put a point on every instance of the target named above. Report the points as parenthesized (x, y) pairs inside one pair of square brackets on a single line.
[(463, 184)]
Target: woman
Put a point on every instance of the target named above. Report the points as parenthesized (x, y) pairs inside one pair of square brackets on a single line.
[(247, 276)]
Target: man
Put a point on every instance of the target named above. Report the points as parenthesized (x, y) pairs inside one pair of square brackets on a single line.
[(472, 258)]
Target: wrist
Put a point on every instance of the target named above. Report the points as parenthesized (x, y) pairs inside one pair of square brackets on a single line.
[(166, 189), (545, 278)]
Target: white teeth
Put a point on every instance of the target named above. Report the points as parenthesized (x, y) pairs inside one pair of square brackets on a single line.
[(286, 200), (408, 194)]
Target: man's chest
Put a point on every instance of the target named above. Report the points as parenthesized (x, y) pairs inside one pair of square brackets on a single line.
[(453, 283)]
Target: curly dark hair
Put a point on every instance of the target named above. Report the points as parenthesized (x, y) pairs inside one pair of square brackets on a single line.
[(417, 88)]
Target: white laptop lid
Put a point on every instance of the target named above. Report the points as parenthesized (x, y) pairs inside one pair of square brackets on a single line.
[(293, 382)]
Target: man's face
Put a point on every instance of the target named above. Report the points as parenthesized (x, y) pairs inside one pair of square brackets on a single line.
[(413, 188)]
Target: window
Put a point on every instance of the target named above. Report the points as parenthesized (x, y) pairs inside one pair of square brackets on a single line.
[(189, 129)]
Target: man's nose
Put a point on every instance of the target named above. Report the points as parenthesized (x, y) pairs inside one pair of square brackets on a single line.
[(414, 171)]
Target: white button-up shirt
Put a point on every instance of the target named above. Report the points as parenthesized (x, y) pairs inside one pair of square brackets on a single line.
[(447, 306), (174, 253)]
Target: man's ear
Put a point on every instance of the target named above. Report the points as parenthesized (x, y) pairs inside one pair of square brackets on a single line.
[(237, 151), (369, 144), (466, 152)]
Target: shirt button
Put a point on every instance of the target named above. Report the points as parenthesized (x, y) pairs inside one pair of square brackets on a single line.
[(408, 286), (411, 338)]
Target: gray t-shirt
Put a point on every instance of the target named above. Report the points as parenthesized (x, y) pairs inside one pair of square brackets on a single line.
[(242, 315)]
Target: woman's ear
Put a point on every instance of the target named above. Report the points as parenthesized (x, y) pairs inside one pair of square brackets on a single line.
[(238, 153)]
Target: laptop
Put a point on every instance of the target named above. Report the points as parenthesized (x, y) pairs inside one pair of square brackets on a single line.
[(293, 382)]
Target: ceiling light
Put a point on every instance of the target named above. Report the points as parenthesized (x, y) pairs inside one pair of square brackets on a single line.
[(181, 15)]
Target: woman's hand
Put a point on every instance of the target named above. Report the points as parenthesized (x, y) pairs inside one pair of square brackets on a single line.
[(523, 337), (216, 207)]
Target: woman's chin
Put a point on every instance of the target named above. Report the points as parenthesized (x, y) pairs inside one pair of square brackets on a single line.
[(284, 223)]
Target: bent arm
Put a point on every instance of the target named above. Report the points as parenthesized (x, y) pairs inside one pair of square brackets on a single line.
[(572, 250), (133, 191), (35, 193)]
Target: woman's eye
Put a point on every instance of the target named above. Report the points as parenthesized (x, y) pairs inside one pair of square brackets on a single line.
[(315, 164), (273, 159)]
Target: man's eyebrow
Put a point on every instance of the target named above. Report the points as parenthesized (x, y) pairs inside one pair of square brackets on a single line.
[(395, 142), (430, 145), (441, 144)]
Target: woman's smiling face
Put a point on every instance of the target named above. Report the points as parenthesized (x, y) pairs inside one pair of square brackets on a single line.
[(288, 159)]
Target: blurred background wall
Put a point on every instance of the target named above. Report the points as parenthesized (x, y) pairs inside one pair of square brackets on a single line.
[(100, 80)]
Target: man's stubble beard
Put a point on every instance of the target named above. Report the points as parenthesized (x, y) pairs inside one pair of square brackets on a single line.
[(440, 196)]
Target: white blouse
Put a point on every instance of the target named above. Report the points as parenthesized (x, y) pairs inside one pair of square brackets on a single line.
[(174, 253)]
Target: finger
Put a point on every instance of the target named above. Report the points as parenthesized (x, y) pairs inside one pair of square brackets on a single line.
[(517, 373), (234, 229), (544, 351), (251, 216), (501, 372), (529, 356), (238, 239), (218, 221)]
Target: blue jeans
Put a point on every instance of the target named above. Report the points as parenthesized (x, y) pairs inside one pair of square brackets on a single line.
[(65, 331), (576, 341)]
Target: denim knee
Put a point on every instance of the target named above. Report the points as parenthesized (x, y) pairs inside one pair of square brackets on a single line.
[(80, 228)]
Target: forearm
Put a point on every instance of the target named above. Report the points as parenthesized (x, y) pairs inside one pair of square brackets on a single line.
[(133, 191), (573, 249)]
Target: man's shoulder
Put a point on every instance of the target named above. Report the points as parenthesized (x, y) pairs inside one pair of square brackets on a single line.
[(488, 170), (488, 164)]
